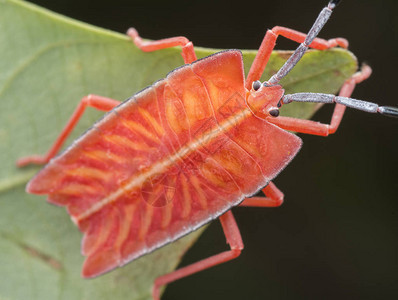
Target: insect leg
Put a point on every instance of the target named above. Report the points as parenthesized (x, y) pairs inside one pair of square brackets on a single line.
[(234, 240), (274, 198), (268, 44), (188, 52), (316, 128), (98, 102)]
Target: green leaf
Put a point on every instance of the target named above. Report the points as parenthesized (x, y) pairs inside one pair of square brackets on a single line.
[(47, 63)]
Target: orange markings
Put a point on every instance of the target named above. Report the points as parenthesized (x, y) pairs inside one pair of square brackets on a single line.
[(74, 188), (146, 220), (175, 115), (201, 194), (152, 121), (125, 224), (135, 127), (167, 215), (211, 171), (229, 161), (196, 108), (186, 198), (106, 228), (123, 141), (87, 172), (103, 156)]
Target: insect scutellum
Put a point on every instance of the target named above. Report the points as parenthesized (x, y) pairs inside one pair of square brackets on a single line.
[(266, 106)]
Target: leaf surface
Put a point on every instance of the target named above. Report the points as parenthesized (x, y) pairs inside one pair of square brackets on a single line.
[(47, 63)]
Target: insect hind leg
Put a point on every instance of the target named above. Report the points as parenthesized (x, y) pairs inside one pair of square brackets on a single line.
[(188, 52), (234, 240), (273, 198), (95, 101)]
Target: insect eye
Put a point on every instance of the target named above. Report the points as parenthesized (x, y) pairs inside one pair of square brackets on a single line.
[(256, 85), (274, 112)]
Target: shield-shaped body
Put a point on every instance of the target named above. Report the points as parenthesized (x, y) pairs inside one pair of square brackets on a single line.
[(165, 162)]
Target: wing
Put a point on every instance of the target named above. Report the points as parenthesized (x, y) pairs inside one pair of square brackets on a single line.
[(165, 162)]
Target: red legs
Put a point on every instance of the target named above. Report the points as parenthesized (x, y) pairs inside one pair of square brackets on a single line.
[(316, 128), (188, 52), (98, 102), (274, 198), (234, 240), (268, 44)]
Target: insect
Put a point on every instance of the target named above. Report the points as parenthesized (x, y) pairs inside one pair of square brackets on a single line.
[(183, 152)]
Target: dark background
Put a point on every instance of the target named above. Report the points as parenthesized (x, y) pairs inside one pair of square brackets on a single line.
[(336, 235)]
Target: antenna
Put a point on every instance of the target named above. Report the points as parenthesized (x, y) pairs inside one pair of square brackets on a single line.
[(302, 48), (349, 102)]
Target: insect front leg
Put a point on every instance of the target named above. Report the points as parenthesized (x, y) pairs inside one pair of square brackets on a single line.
[(98, 102), (268, 44), (316, 128), (188, 52), (274, 198), (234, 240)]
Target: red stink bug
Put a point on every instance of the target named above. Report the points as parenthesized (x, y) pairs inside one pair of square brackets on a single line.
[(177, 162)]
